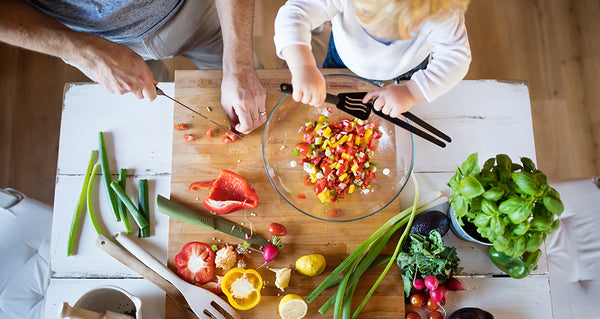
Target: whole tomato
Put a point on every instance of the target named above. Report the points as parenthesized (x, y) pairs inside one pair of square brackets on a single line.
[(413, 315), (277, 229), (435, 315), (432, 305), (417, 300)]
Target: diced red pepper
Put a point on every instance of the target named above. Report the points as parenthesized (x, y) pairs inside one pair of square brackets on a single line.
[(302, 195)]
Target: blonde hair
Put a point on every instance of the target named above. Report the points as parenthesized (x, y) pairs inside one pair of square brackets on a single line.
[(400, 18)]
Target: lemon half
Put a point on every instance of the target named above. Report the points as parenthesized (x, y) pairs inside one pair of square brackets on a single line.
[(292, 307)]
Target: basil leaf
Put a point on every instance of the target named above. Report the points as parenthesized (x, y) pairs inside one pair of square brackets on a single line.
[(470, 187), (487, 166), (525, 182), (489, 207), (520, 245), (470, 167), (453, 183), (482, 220), (515, 167), (504, 161), (500, 243), (528, 164), (535, 241), (553, 226), (460, 206), (498, 225), (553, 203), (521, 229), (517, 209), (493, 194)]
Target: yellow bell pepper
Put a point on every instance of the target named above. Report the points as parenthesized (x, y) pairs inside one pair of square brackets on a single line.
[(242, 288)]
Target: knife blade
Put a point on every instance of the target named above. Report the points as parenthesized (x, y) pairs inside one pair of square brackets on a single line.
[(161, 92), (193, 217)]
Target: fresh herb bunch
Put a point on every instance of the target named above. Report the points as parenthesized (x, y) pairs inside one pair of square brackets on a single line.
[(426, 256), (511, 205)]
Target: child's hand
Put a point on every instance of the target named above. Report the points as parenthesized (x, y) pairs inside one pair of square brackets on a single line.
[(307, 80), (392, 100), (309, 86)]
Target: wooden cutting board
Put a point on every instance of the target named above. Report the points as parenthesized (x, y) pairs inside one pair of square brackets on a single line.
[(203, 159)]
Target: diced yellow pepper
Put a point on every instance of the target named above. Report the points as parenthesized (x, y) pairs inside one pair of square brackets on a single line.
[(357, 140), (338, 165), (343, 176), (313, 178), (342, 140), (368, 134), (327, 132), (351, 189), (321, 119), (346, 156), (354, 168), (324, 196)]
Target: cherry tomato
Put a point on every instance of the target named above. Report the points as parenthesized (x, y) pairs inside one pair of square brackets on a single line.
[(435, 315), (417, 300), (208, 133), (333, 212), (303, 148), (306, 180), (226, 139), (413, 315), (432, 305), (181, 127), (302, 195), (189, 137), (277, 229)]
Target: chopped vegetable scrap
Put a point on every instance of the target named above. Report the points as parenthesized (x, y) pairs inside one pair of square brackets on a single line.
[(226, 258), (195, 263), (229, 137), (181, 127), (229, 193), (282, 277), (242, 288), (208, 133), (337, 156), (213, 286)]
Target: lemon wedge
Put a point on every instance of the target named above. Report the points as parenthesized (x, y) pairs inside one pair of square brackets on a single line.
[(292, 307)]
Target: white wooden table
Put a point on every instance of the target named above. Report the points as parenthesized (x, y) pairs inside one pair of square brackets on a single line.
[(488, 117)]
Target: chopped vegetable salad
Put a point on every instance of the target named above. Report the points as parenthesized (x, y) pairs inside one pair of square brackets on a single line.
[(337, 156)]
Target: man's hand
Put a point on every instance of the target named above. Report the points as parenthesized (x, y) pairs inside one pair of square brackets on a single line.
[(392, 100), (120, 70), (243, 99)]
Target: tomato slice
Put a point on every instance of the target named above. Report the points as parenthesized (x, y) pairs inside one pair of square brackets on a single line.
[(181, 127), (189, 137), (303, 148), (208, 133), (195, 263)]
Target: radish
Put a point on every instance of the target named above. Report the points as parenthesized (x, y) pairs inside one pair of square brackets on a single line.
[(439, 295), (454, 284), (431, 282), (418, 284), (270, 252)]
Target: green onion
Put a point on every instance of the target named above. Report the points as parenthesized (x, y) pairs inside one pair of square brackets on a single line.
[(139, 219), (121, 205), (79, 205), (107, 178), (144, 207), (90, 206)]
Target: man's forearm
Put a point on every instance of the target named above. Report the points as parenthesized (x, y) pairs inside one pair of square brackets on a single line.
[(236, 18), (24, 26)]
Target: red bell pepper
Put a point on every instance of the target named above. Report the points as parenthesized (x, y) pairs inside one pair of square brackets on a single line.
[(229, 193), (195, 263)]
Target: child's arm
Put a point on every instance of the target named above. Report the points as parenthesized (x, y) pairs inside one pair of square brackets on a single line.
[(396, 99), (307, 80)]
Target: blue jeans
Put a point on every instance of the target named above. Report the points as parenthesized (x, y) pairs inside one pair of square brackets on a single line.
[(333, 60)]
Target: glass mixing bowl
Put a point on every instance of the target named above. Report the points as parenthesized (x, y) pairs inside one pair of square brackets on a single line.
[(394, 155)]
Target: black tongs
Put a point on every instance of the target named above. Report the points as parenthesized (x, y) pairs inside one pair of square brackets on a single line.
[(352, 104)]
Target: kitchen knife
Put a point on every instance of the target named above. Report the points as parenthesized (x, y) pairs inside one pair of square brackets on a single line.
[(161, 92), (193, 217)]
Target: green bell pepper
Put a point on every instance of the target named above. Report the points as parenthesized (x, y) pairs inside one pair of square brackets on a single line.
[(516, 267)]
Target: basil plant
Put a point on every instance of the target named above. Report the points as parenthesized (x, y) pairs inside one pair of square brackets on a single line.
[(510, 204)]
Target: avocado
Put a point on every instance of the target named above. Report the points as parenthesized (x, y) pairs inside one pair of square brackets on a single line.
[(430, 220), (471, 313)]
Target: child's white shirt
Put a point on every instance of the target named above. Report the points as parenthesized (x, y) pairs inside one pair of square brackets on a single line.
[(446, 40)]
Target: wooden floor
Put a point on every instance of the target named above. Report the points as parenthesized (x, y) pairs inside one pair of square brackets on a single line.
[(554, 45)]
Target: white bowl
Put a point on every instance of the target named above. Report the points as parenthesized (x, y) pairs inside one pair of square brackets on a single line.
[(111, 298)]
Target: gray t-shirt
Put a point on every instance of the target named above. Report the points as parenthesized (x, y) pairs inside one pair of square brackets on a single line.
[(115, 20)]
